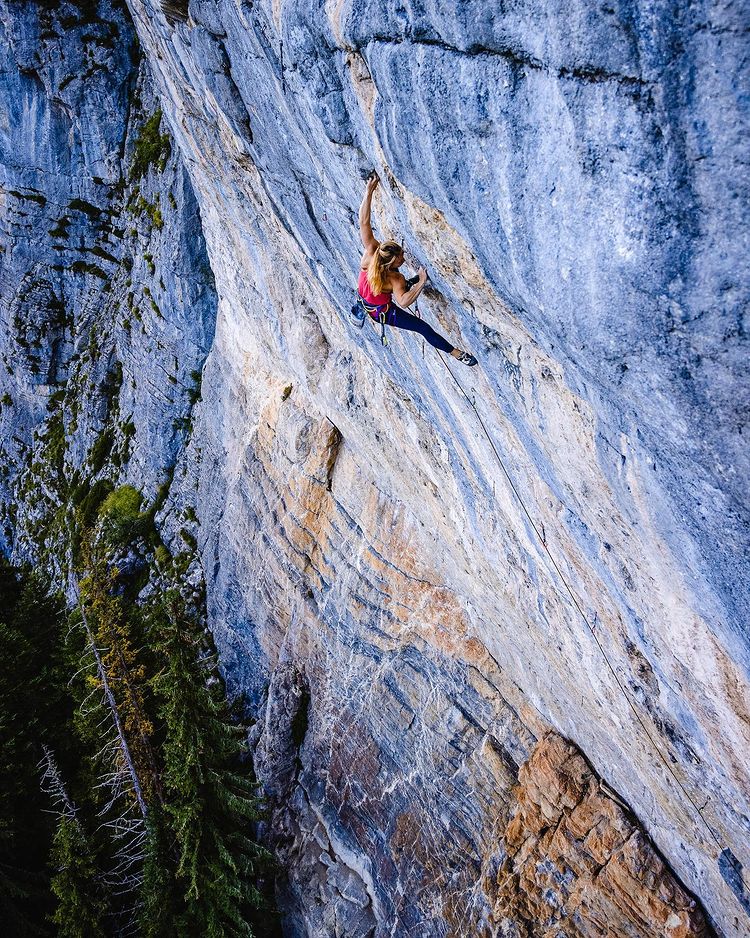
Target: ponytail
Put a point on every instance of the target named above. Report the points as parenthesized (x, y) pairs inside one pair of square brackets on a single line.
[(377, 272)]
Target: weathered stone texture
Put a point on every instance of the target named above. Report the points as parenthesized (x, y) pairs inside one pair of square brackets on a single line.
[(378, 546), (575, 863), (107, 300), (572, 178)]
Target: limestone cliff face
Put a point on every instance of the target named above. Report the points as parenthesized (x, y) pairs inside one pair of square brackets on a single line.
[(425, 576), (106, 294), (573, 861)]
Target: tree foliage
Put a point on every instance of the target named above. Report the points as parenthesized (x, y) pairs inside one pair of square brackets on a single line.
[(156, 835), (81, 907), (33, 708), (212, 800)]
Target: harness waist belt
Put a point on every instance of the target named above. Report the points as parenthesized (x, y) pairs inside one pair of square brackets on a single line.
[(378, 313), (373, 310)]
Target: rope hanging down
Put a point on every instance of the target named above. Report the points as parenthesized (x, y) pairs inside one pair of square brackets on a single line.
[(698, 810)]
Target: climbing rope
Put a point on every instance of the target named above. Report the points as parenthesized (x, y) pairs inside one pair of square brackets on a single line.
[(723, 849), (542, 540)]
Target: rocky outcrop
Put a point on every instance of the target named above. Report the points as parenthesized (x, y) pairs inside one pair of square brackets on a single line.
[(576, 863), (549, 170), (416, 571)]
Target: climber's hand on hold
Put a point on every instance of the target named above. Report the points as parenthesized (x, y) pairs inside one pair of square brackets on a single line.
[(372, 183), (401, 292)]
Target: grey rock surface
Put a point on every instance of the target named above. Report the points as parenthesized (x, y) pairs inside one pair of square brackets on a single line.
[(108, 303), (432, 563)]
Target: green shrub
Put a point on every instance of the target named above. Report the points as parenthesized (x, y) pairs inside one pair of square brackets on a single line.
[(162, 556), (55, 399), (82, 267), (81, 205), (105, 255), (137, 205), (120, 514), (101, 449), (188, 539), (56, 444), (87, 498)]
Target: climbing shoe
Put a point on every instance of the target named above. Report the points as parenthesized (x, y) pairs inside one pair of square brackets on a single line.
[(467, 358)]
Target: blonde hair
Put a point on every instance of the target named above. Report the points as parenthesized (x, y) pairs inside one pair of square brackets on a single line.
[(377, 272)]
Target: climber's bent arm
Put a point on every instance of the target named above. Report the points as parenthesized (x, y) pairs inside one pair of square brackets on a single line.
[(401, 295)]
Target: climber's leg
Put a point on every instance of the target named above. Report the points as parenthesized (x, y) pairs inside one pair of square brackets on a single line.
[(402, 320)]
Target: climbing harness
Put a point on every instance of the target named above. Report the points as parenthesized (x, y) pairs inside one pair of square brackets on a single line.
[(723, 850), (361, 308)]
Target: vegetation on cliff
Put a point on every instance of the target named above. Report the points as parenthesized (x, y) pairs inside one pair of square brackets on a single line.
[(128, 802)]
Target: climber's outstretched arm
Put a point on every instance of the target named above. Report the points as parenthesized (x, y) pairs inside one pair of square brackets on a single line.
[(365, 228)]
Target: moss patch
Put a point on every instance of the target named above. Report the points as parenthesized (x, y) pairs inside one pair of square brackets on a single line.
[(151, 148), (83, 267)]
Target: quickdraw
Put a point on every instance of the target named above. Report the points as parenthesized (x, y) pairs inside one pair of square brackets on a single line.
[(381, 319)]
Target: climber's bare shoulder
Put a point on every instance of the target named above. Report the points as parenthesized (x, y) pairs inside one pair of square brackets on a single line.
[(397, 282), (368, 255)]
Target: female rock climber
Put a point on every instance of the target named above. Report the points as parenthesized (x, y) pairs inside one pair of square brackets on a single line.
[(380, 281)]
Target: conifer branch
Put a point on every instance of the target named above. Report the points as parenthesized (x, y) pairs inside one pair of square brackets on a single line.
[(110, 701)]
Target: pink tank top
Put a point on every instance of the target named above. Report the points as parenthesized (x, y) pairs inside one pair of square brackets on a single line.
[(366, 292)]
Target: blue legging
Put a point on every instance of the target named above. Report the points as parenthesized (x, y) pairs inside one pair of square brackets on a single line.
[(400, 319)]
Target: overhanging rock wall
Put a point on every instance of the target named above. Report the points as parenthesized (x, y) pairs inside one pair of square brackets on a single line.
[(416, 570), (572, 180)]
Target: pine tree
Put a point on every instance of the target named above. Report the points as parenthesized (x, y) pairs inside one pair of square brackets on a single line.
[(211, 797), (75, 882), (113, 718), (161, 838), (33, 708), (112, 785), (81, 908), (31, 682), (160, 899), (111, 629), (21, 889)]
